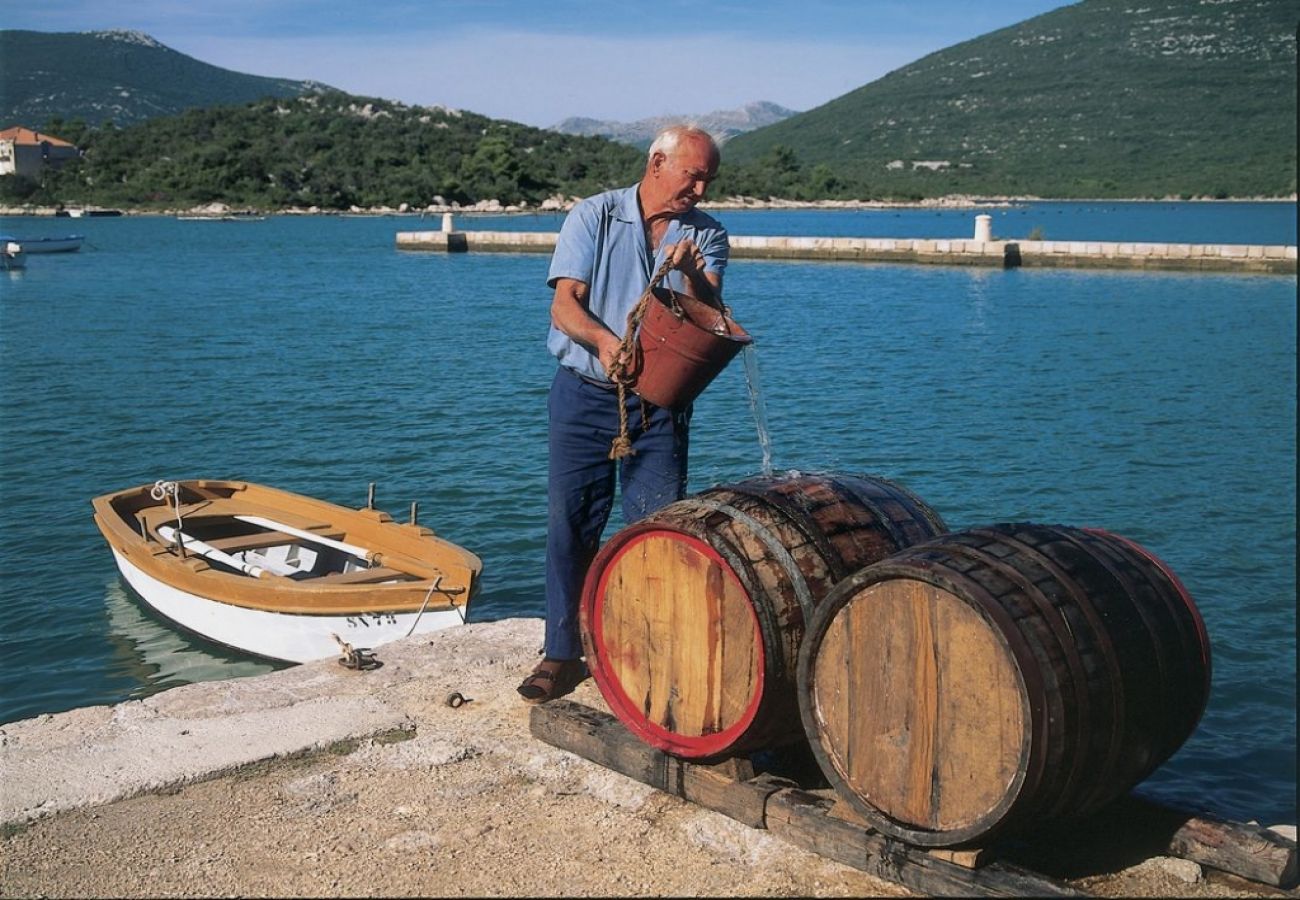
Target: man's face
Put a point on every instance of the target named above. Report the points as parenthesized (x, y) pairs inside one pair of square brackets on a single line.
[(685, 175)]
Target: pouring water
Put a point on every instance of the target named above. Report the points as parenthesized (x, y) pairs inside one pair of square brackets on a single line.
[(756, 405)]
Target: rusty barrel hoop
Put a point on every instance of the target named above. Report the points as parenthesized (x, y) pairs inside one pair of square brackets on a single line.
[(691, 618), (999, 678)]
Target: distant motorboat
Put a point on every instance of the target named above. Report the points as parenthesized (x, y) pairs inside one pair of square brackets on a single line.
[(67, 244), (78, 213), (12, 256)]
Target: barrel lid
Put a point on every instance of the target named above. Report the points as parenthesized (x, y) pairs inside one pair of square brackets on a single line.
[(920, 708), (675, 644)]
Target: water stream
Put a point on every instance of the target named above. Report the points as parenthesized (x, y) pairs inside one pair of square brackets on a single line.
[(757, 406)]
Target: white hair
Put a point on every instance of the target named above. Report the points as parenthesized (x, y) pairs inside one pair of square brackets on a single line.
[(668, 139)]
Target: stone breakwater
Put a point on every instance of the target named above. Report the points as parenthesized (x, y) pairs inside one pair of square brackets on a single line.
[(1257, 258)]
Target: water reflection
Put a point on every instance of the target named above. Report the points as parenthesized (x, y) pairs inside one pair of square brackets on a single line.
[(156, 656)]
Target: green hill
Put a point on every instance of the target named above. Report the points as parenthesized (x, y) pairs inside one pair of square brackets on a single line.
[(119, 76), (330, 150), (1105, 98)]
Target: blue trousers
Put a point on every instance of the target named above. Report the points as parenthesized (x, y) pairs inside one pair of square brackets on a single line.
[(580, 489)]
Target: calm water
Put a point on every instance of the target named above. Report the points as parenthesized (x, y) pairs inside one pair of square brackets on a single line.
[(311, 355)]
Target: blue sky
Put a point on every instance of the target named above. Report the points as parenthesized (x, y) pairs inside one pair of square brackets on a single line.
[(540, 61)]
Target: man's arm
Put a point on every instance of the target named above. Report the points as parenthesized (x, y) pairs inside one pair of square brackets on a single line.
[(571, 314)]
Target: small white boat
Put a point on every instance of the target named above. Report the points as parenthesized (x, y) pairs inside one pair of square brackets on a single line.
[(12, 255), (67, 244), (280, 575), (221, 217)]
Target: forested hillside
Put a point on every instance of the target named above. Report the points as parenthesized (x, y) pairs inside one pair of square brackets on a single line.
[(330, 150), (119, 76), (1105, 98)]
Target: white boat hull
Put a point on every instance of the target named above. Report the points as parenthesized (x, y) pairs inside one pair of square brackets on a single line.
[(281, 636)]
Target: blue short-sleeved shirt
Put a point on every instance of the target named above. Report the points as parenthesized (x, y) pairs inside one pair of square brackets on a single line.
[(603, 244)]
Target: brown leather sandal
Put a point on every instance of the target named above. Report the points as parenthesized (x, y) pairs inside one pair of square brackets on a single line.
[(552, 678)]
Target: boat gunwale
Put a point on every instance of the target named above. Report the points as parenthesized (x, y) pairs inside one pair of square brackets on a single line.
[(196, 575)]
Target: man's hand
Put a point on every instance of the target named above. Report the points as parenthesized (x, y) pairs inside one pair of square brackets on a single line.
[(686, 257), (689, 260), (610, 352)]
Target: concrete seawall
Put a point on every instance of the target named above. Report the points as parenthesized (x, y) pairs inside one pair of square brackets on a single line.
[(1255, 258)]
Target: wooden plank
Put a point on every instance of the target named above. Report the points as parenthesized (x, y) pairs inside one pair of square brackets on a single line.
[(794, 815), (807, 820), (360, 576), (970, 858), (803, 819), (1250, 851), (257, 541), (602, 739)]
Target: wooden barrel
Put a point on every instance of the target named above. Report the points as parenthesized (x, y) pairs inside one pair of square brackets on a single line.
[(998, 678), (692, 618)]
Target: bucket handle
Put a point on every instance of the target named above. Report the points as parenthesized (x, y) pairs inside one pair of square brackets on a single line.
[(679, 312)]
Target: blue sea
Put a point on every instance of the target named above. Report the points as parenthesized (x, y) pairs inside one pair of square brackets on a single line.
[(308, 353)]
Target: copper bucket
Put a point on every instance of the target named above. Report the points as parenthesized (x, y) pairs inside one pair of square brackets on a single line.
[(683, 344)]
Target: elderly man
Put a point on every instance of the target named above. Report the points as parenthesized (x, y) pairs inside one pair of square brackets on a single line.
[(609, 248)]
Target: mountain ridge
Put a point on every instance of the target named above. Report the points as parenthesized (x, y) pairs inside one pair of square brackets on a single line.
[(117, 75), (1102, 98), (723, 124)]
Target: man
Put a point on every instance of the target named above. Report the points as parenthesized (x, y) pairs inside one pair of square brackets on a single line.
[(609, 248)]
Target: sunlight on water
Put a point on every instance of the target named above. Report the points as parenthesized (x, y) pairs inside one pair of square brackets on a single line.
[(757, 406)]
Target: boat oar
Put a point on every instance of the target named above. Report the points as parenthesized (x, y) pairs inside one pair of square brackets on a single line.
[(167, 533)]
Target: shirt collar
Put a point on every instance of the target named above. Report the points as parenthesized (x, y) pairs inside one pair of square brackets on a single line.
[(629, 210)]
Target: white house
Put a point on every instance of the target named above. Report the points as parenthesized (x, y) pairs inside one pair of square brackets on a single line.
[(26, 152)]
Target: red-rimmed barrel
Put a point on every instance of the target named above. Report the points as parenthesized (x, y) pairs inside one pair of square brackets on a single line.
[(692, 618), (998, 678)]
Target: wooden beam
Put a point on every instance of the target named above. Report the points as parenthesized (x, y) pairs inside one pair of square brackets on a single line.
[(602, 739), (1251, 851), (804, 820), (768, 802)]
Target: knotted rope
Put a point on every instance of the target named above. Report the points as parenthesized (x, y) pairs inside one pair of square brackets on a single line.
[(161, 491), (628, 363)]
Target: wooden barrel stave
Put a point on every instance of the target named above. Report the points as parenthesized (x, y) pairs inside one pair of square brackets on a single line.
[(780, 543), (1111, 672)]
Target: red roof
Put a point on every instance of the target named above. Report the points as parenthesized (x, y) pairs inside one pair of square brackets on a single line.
[(20, 135)]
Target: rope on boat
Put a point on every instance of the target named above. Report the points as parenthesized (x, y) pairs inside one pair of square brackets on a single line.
[(160, 491), (448, 592)]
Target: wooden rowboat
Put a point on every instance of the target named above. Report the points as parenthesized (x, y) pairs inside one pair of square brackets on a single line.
[(280, 575)]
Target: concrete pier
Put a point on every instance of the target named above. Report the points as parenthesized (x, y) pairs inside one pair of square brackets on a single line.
[(1257, 258), (322, 781)]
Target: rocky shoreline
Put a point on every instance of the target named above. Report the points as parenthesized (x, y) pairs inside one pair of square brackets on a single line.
[(560, 203)]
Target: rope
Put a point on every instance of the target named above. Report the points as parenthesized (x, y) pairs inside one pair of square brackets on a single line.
[(623, 372), (446, 592), (160, 491)]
